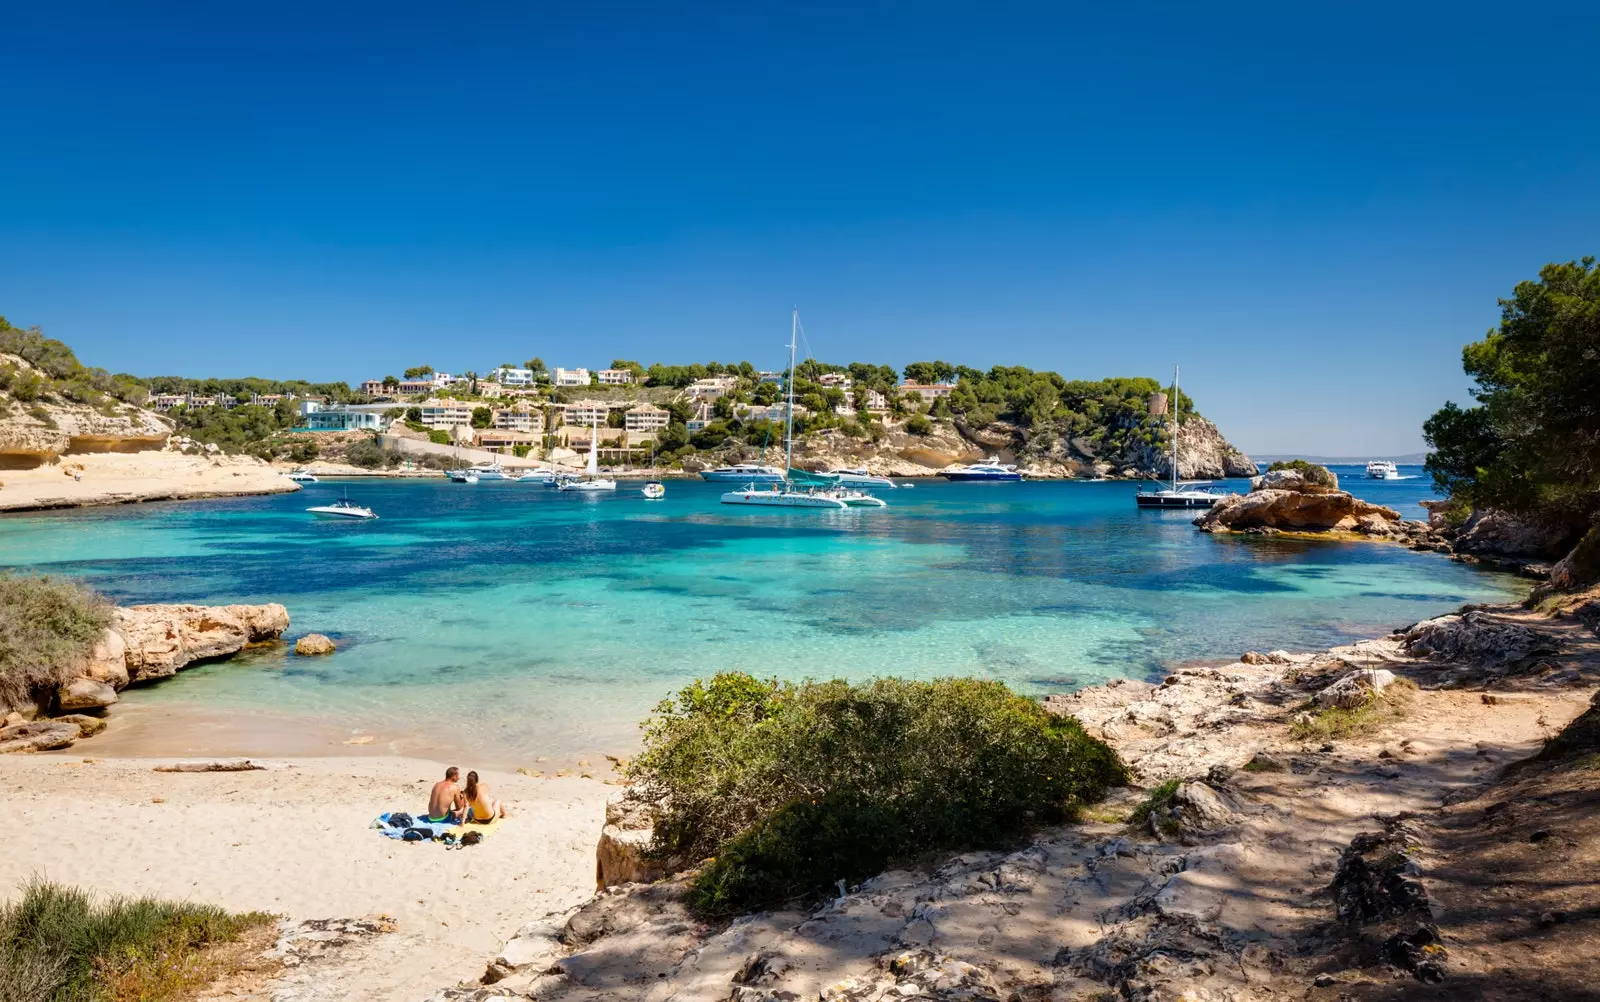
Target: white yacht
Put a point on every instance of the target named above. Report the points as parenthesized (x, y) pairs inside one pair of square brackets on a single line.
[(845, 477), (1180, 493), (343, 508), (593, 482), (744, 473), (796, 488), (1383, 469), (488, 471), (990, 469), (546, 477), (302, 477)]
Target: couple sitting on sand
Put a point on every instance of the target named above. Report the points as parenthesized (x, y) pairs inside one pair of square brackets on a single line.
[(450, 802)]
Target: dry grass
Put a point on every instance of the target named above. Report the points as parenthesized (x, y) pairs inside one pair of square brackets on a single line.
[(1377, 710)]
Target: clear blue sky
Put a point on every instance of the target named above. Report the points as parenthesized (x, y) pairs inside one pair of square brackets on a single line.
[(1311, 210)]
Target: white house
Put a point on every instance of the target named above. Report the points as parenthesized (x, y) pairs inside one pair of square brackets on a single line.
[(646, 417), (512, 377), (344, 419), (837, 380), (570, 377), (711, 389), (615, 377), (769, 377), (445, 414), (585, 413), (701, 417), (519, 420), (927, 391)]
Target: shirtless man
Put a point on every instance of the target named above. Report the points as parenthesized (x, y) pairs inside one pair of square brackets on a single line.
[(446, 803)]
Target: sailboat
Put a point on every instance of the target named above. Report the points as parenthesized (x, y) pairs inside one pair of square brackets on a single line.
[(786, 493), (592, 480), (1181, 493)]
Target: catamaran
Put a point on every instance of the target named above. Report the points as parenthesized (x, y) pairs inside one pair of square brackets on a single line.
[(592, 481), (1181, 493), (797, 488)]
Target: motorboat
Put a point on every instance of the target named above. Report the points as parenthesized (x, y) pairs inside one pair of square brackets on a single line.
[(745, 473), (1179, 493), (343, 508), (593, 482), (856, 478), (793, 488), (462, 476), (1383, 469), (653, 491), (488, 471), (302, 477), (990, 469), (546, 477)]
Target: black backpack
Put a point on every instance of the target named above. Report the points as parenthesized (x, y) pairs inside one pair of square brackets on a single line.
[(401, 820)]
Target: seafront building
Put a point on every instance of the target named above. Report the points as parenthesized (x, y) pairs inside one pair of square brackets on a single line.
[(646, 417)]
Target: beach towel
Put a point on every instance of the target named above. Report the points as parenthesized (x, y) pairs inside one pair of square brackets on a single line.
[(438, 829)]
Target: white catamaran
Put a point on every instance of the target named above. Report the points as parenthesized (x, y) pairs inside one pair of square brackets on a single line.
[(1181, 493), (787, 493)]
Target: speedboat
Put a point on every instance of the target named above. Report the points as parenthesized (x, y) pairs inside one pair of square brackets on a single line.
[(857, 478), (342, 508), (653, 491), (1383, 469), (783, 496), (749, 473), (989, 469), (463, 476), (302, 477)]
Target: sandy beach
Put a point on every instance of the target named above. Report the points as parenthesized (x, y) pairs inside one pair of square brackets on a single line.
[(294, 840), (121, 478)]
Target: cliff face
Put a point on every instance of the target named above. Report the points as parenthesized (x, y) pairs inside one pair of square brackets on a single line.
[(37, 431)]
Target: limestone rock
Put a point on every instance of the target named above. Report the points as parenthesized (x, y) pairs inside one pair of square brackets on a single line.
[(1254, 658), (620, 853), (108, 660), (1473, 638), (1500, 534), (1353, 689), (38, 735), (1199, 808), (1277, 508), (87, 726), (85, 694), (163, 639), (1291, 480), (313, 644)]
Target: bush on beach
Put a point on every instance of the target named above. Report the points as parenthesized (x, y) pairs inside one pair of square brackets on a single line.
[(792, 787), (48, 625), (58, 945)]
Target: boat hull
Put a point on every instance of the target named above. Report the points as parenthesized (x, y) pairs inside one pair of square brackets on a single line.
[(343, 516), (781, 499), (727, 477), (589, 486), (1160, 501), (982, 477)]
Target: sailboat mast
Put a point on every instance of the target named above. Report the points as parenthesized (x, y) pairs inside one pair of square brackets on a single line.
[(788, 411), (1174, 427)]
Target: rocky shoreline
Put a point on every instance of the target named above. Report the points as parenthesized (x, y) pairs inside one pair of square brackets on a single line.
[(1283, 858), (143, 644)]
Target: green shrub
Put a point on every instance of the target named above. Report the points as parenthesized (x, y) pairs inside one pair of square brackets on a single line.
[(919, 425), (57, 945), (793, 787), (47, 627), (1155, 802), (1320, 475)]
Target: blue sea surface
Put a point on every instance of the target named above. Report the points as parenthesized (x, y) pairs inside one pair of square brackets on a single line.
[(516, 620)]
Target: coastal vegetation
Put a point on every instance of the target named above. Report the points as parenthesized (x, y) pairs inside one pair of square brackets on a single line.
[(1530, 444), (53, 372), (48, 625), (787, 788), (1313, 474), (58, 945)]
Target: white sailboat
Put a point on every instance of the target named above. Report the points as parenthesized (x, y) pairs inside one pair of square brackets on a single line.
[(1181, 494), (787, 494), (592, 480)]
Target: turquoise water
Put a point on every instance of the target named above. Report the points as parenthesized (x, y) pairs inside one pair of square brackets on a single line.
[(518, 620)]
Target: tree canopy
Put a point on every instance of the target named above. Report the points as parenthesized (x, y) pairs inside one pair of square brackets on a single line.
[(1531, 443)]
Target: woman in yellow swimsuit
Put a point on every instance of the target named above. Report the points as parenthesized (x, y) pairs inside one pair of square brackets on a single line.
[(479, 807)]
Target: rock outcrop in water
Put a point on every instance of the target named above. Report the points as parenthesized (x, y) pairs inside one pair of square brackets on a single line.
[(1286, 500), (144, 643)]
